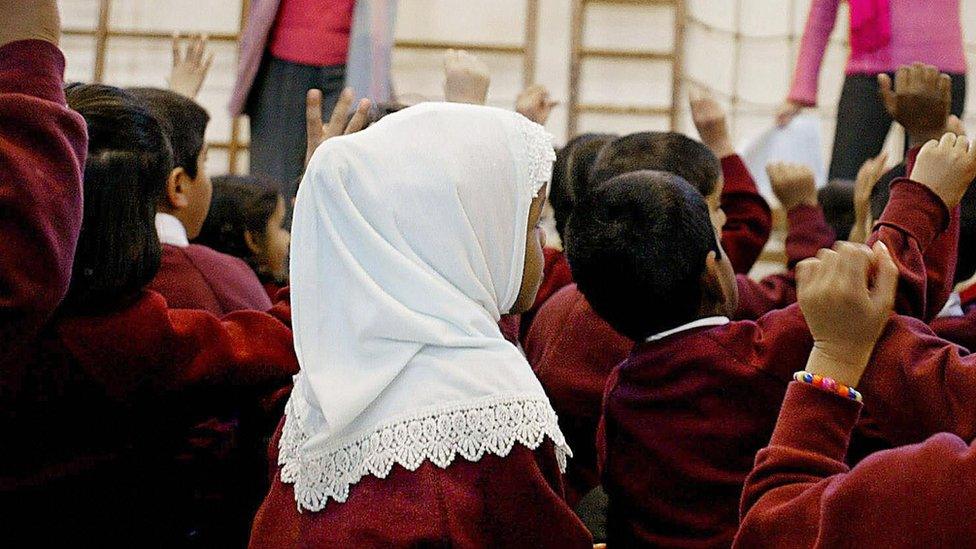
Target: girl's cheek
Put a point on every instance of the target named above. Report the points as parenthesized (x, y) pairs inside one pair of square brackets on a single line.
[(542, 236)]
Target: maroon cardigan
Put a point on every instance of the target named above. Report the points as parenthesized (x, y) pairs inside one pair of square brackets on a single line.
[(198, 277), (748, 220), (516, 500), (43, 145), (801, 493), (691, 410)]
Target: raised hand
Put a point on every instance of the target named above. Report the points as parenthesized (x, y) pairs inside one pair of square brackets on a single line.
[(919, 100), (339, 124), (534, 103), (793, 184), (846, 295), (190, 65), (30, 20), (466, 78), (947, 166), (710, 121), (786, 112), (867, 177)]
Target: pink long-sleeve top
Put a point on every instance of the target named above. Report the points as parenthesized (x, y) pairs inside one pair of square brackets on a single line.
[(928, 31)]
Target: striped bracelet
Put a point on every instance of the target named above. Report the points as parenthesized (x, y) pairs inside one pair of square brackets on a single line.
[(828, 384)]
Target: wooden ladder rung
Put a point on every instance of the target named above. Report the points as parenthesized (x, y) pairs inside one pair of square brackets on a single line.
[(633, 2), (507, 49), (632, 110), (628, 54)]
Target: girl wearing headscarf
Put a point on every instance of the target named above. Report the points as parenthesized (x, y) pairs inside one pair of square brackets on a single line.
[(413, 421)]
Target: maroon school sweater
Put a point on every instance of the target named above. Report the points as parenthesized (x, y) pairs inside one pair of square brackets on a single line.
[(691, 410), (511, 501), (573, 350), (43, 145), (801, 493), (101, 410), (748, 220), (198, 277)]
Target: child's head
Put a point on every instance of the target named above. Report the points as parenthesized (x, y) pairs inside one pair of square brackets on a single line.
[(187, 187), (128, 155), (645, 254), (836, 198), (246, 220), (667, 152), (571, 172)]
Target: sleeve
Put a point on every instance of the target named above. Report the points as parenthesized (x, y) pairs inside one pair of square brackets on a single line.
[(808, 233), (910, 223), (820, 23), (174, 350), (801, 494), (918, 384), (940, 256), (748, 217), (960, 330), (42, 156)]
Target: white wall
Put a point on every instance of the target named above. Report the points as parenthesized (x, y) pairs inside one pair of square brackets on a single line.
[(763, 50)]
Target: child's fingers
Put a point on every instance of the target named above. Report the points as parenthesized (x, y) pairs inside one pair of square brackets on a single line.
[(176, 48), (358, 120), (338, 120), (945, 87), (901, 78), (208, 62), (948, 140), (313, 112), (885, 276)]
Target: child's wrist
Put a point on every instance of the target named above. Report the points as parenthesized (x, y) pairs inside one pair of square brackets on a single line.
[(844, 365)]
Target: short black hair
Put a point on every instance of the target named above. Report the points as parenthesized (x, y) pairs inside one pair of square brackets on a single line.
[(571, 172), (183, 120), (836, 199), (240, 204), (966, 261), (663, 151), (637, 251), (129, 155)]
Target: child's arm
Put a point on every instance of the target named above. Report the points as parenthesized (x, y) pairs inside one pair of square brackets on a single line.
[(171, 350), (918, 211), (748, 218), (42, 155), (800, 491), (808, 234)]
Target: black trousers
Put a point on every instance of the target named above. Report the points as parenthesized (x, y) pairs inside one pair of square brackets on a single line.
[(863, 122), (276, 106)]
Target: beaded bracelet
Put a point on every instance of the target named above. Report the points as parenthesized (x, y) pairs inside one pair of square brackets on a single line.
[(828, 384)]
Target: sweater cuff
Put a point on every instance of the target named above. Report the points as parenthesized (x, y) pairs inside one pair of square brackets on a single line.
[(804, 215), (814, 420), (32, 67), (737, 176), (915, 209)]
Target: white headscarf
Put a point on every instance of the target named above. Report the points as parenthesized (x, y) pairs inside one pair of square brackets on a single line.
[(408, 244)]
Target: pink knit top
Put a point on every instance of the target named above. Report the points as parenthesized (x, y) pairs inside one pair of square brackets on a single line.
[(921, 30)]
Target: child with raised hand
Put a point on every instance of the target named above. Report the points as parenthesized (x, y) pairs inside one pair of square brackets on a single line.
[(192, 276), (410, 240), (696, 398), (117, 378), (41, 162), (795, 187), (801, 493)]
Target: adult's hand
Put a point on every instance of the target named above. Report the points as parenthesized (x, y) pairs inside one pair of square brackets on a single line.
[(787, 112)]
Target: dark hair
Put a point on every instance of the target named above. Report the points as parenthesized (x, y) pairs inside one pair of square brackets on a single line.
[(571, 173), (662, 151), (240, 203), (637, 251), (836, 198), (128, 155), (183, 120), (966, 261)]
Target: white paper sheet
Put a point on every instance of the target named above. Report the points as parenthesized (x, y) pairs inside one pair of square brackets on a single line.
[(798, 142)]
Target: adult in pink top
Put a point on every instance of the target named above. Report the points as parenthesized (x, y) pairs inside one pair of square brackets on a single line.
[(884, 34)]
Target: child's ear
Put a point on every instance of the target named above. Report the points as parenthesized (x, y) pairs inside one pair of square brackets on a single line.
[(711, 281), (176, 188), (252, 243)]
